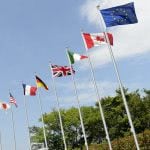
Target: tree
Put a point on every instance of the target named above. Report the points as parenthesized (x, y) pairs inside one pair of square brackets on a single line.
[(115, 116)]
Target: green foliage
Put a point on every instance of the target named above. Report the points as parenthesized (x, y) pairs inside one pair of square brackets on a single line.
[(116, 120), (126, 143)]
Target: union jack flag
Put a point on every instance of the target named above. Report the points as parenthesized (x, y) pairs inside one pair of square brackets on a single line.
[(59, 71), (12, 100)]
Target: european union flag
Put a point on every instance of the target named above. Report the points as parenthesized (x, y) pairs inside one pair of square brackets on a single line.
[(120, 15)]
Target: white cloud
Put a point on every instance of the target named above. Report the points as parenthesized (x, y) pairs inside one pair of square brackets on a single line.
[(86, 92), (129, 40)]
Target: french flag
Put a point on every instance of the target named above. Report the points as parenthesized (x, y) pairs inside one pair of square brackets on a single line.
[(29, 90)]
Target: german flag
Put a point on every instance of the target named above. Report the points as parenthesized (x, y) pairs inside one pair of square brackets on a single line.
[(40, 83)]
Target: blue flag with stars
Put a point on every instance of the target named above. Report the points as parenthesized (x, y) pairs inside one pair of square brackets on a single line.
[(119, 15)]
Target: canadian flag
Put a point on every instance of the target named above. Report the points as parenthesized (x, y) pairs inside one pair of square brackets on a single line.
[(4, 106), (96, 39)]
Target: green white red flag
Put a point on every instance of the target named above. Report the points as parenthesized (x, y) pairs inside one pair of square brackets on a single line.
[(74, 57)]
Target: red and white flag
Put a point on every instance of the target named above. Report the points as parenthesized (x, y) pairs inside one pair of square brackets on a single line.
[(4, 106), (96, 39), (29, 90)]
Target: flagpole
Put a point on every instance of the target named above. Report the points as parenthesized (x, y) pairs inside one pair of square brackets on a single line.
[(58, 108), (77, 98), (13, 126), (0, 141), (27, 121), (43, 125), (119, 81), (98, 96)]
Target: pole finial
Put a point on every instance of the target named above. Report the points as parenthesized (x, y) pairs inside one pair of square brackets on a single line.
[(81, 30), (98, 7)]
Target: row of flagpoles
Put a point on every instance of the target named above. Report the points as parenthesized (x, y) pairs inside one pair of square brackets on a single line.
[(119, 15)]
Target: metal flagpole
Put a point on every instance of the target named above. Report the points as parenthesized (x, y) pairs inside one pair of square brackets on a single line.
[(43, 125), (119, 81), (27, 121), (13, 125), (77, 98), (58, 108), (0, 141), (98, 96)]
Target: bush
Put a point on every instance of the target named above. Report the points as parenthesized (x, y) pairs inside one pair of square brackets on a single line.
[(126, 143)]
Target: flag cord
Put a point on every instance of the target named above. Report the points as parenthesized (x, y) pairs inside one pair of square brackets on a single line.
[(43, 125), (77, 98), (13, 126), (98, 97), (27, 121), (60, 119), (120, 83)]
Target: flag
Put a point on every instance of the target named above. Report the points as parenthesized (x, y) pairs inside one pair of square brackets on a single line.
[(120, 15), (4, 106), (96, 39), (59, 71), (12, 100), (29, 90), (40, 83), (73, 57)]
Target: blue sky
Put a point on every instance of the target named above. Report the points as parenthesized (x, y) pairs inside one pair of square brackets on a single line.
[(34, 32)]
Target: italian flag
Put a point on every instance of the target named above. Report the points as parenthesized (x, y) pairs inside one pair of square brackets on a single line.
[(73, 57)]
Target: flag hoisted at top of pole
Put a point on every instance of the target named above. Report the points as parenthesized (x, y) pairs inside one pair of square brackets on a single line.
[(60, 71), (4, 106), (74, 57), (77, 98), (96, 87), (119, 15), (58, 107), (29, 90), (96, 39), (40, 83), (12, 100)]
